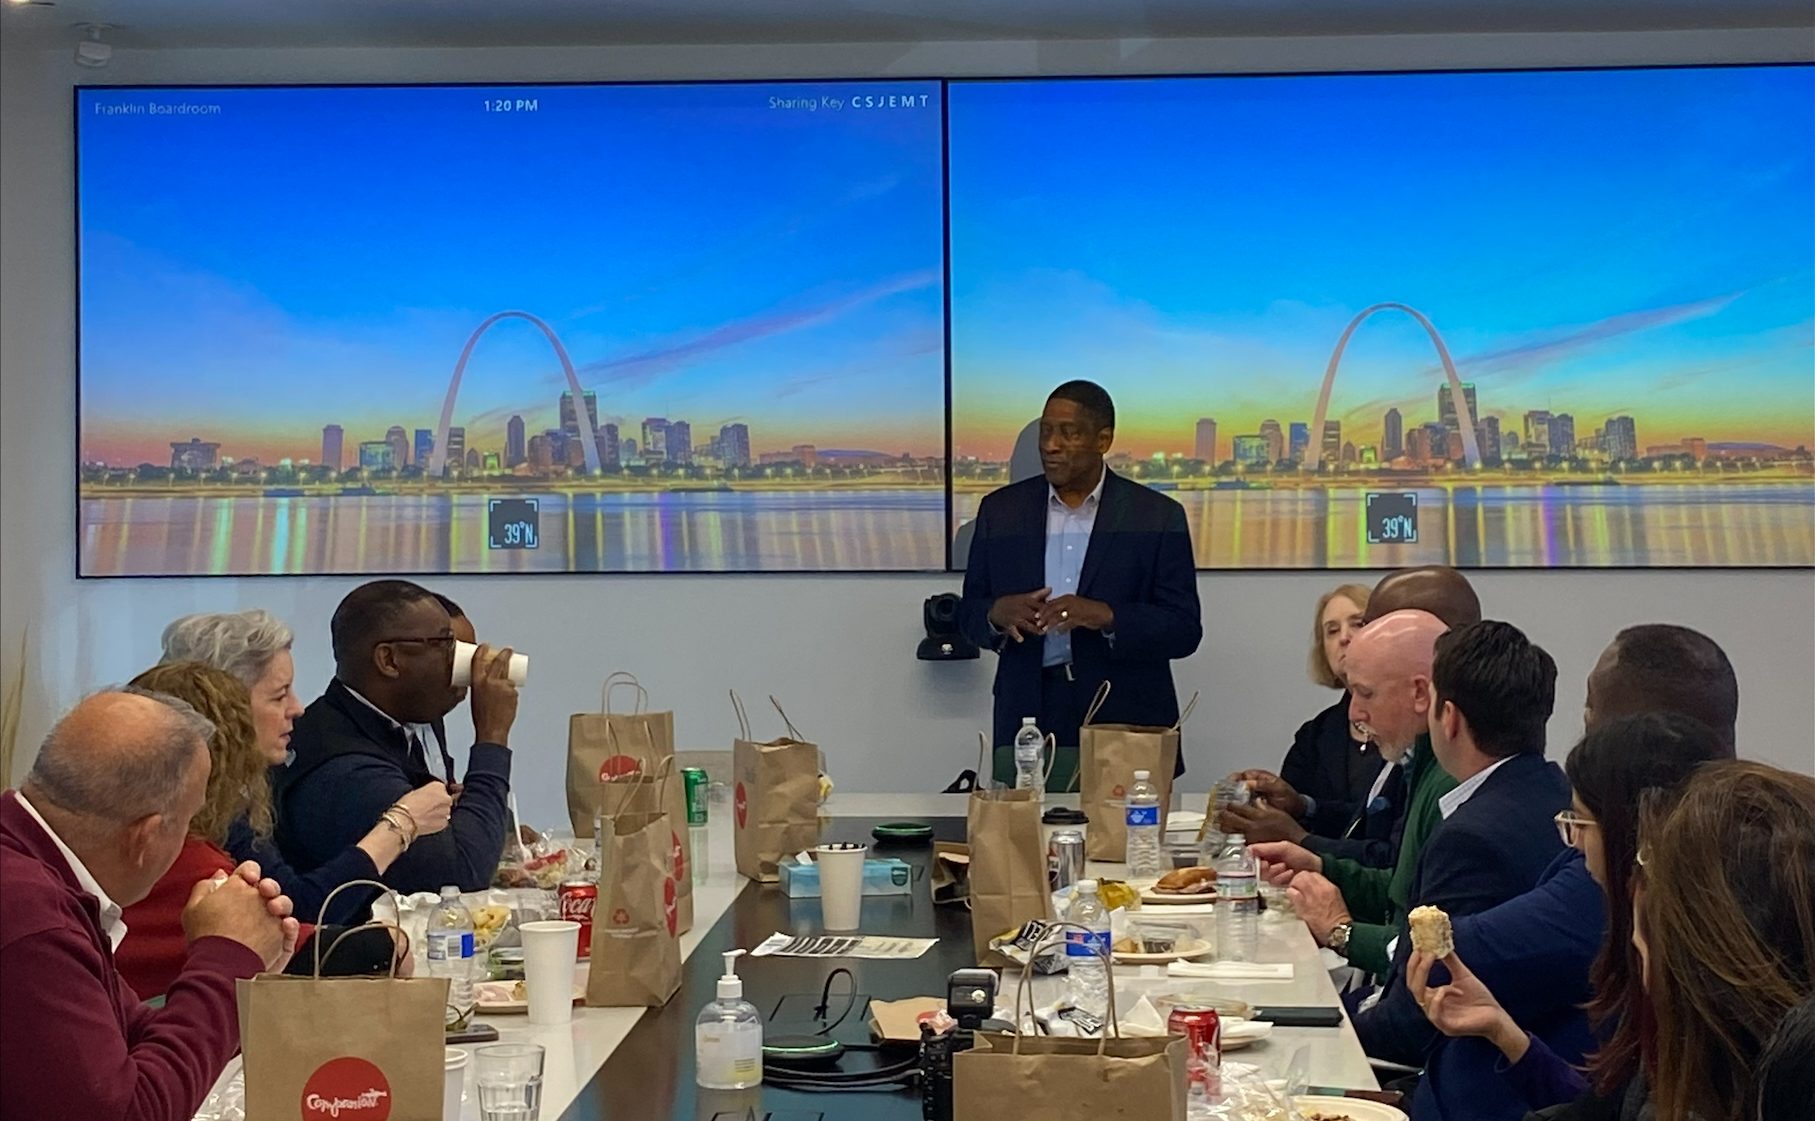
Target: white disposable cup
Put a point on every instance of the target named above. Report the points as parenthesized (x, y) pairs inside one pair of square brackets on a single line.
[(841, 885), (463, 665), (453, 1088), (549, 950)]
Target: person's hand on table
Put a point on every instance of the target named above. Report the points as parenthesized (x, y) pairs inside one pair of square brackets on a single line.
[(1277, 792), (1062, 615), (1464, 1006), (494, 697), (1259, 821), (1018, 616), (1319, 903), (1280, 861)]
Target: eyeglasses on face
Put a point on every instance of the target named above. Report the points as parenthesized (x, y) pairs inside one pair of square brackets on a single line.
[(1570, 825), (444, 641)]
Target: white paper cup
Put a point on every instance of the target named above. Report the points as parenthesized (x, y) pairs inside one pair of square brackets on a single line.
[(841, 884), (453, 1089), (463, 666), (549, 950)]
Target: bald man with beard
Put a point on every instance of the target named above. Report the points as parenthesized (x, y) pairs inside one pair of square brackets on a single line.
[(1349, 907)]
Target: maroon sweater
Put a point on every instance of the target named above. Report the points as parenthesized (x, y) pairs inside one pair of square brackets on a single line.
[(75, 1040)]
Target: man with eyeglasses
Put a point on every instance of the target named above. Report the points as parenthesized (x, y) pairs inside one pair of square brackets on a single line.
[(367, 742)]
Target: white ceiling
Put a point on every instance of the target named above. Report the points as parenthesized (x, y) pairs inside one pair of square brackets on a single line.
[(480, 23)]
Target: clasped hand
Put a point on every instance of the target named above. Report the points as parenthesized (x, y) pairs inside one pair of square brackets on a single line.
[(1035, 614)]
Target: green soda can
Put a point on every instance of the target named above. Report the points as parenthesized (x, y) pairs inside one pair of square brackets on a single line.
[(696, 794)]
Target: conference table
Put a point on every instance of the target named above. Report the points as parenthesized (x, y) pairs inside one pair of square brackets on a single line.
[(635, 1064)]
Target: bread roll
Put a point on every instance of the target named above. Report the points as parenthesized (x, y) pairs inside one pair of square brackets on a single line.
[(1187, 881), (1431, 933)]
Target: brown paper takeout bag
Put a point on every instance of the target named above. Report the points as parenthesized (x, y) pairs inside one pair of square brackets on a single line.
[(1108, 756), (1008, 874), (1137, 1079), (636, 949), (608, 744), (774, 797), (342, 1047)]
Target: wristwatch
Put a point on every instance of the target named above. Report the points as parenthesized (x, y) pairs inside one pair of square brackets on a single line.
[(1339, 938)]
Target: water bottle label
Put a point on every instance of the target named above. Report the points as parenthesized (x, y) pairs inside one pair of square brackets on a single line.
[(451, 945), (1079, 944), (1237, 887), (1143, 815)]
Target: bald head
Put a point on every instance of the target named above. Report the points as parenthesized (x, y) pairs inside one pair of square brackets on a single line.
[(119, 756), (1435, 588), (1389, 667)]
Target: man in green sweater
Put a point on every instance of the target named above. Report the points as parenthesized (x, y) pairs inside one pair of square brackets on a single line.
[(1349, 907)]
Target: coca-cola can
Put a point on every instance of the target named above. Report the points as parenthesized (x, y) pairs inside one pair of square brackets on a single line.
[(577, 898), (1203, 1032)]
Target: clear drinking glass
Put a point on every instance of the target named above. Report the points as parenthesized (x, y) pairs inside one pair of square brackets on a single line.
[(509, 1078)]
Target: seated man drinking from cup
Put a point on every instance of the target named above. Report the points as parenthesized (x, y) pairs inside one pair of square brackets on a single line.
[(363, 744)]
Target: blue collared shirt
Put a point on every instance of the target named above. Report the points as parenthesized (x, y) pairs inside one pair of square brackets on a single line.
[(1067, 540)]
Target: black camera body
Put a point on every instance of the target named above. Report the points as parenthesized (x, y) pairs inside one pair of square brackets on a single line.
[(970, 999)]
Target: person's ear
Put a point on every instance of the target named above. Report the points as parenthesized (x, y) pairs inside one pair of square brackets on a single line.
[(1421, 695), (1105, 438), (139, 839), (384, 660)]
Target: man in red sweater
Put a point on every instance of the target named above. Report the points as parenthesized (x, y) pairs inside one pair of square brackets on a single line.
[(100, 818)]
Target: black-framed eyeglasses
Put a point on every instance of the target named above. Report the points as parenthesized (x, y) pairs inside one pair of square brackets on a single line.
[(445, 641), (1570, 825)]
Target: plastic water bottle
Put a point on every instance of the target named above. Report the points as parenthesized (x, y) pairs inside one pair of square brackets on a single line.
[(1144, 858), (1087, 954), (1238, 901), (450, 937), (1030, 749)]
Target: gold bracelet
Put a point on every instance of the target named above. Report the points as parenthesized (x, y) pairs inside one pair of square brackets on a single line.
[(404, 835)]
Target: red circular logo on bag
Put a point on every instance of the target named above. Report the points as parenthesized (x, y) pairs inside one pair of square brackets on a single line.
[(668, 895), (1118, 792), (346, 1089), (679, 855), (741, 805), (620, 917), (619, 766)]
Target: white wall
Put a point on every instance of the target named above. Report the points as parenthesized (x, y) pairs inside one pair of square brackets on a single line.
[(837, 649)]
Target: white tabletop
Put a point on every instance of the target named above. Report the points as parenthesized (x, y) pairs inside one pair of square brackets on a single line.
[(576, 1051)]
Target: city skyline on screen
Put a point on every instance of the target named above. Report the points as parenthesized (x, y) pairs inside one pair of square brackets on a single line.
[(273, 262), (1600, 245)]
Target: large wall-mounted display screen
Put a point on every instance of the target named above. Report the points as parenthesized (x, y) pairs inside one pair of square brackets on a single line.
[(1531, 319), (1534, 319), (610, 328)]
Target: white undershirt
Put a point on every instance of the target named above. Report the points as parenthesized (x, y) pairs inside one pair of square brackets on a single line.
[(112, 924)]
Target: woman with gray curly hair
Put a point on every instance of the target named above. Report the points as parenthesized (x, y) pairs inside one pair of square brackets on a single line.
[(254, 646)]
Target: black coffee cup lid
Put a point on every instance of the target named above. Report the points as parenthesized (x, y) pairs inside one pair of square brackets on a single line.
[(1064, 815)]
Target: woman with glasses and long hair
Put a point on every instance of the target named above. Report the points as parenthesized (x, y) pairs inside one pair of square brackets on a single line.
[(1724, 933), (1535, 951), (254, 648)]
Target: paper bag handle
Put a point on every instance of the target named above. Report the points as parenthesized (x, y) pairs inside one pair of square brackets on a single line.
[(986, 771), (743, 718), (1096, 702), (664, 774), (793, 732), (375, 924), (623, 679), (1024, 990), (1190, 707)]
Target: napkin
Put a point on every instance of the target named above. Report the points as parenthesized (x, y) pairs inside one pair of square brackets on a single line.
[(1231, 970)]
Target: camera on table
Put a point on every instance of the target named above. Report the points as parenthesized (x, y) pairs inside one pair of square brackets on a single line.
[(970, 999)]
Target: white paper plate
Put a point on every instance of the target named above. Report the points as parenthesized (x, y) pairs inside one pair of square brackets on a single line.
[(495, 999), (1190, 951), (1360, 1109), (1245, 1033), (1184, 821)]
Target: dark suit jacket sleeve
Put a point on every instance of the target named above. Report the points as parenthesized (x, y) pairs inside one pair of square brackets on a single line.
[(1170, 624), (979, 595), (1455, 874), (1370, 851), (309, 890), (464, 854), (1534, 951)]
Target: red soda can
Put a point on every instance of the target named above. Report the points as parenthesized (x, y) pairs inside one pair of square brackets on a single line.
[(577, 898), (1203, 1032)]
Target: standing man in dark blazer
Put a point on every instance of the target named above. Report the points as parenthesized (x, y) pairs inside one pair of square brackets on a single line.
[(1080, 577)]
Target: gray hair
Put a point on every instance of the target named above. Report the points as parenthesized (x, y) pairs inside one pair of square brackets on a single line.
[(242, 643), (142, 777)]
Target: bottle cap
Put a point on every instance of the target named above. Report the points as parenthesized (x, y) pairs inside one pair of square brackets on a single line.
[(1142, 776), (1027, 722), (1089, 887)]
